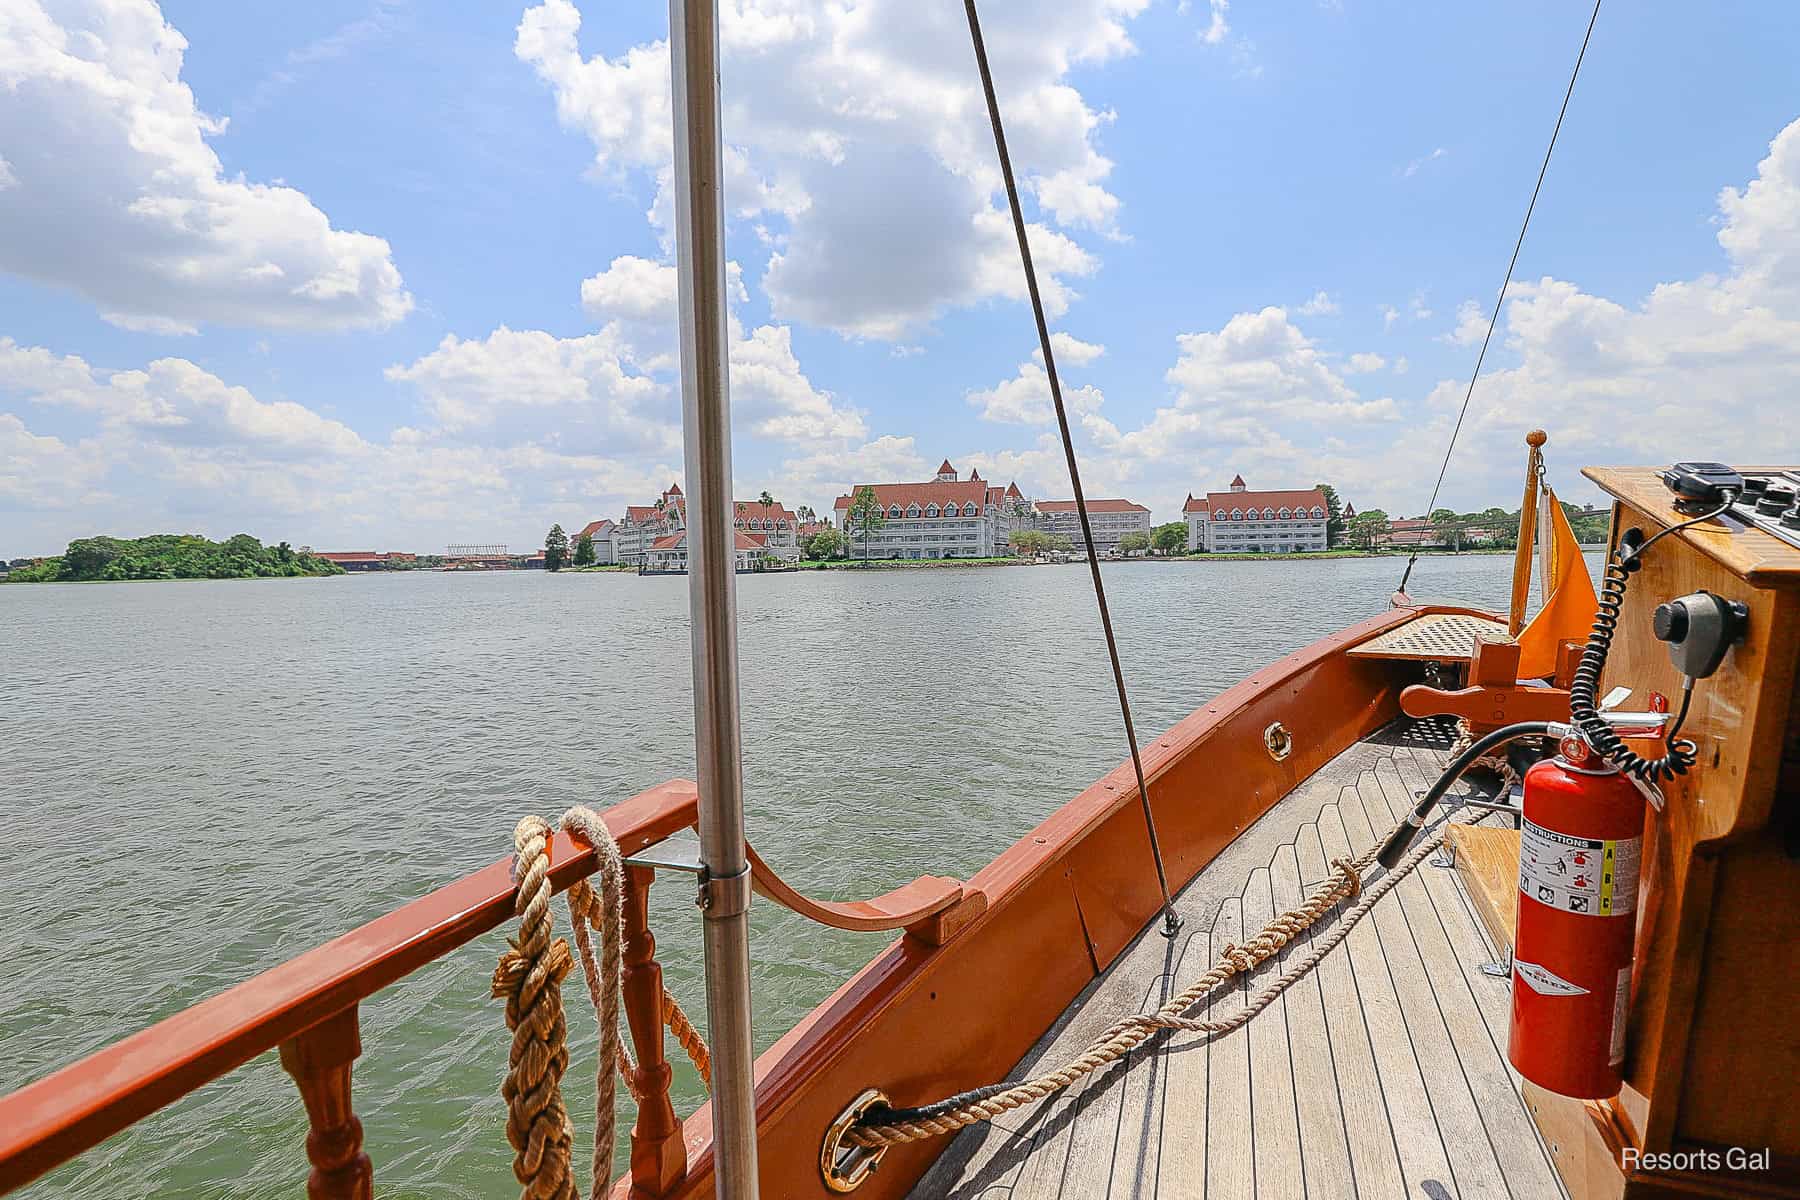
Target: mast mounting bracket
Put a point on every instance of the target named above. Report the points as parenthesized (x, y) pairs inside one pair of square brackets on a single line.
[(722, 896)]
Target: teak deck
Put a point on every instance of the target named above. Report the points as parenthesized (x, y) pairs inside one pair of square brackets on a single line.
[(1383, 1074)]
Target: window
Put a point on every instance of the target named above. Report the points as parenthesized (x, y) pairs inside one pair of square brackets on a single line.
[(894, 510), (1219, 514), (931, 510), (969, 509), (1237, 514), (1286, 513), (1318, 512), (1268, 514), (912, 510)]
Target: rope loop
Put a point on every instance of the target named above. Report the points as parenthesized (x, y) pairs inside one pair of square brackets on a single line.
[(529, 978)]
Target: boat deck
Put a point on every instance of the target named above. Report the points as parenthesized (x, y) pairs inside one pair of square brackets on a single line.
[(1382, 1074)]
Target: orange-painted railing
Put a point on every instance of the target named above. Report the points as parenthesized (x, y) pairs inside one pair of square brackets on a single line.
[(308, 1008)]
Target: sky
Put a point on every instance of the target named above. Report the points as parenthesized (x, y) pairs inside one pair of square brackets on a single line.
[(374, 274)]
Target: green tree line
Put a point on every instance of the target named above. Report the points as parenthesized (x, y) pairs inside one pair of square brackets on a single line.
[(173, 556)]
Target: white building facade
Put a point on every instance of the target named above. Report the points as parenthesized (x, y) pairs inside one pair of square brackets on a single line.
[(1111, 520), (945, 518), (773, 527), (1240, 521)]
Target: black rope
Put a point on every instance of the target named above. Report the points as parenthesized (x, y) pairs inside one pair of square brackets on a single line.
[(1506, 281), (1171, 921)]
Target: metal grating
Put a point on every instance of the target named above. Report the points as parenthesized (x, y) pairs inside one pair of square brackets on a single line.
[(1433, 637)]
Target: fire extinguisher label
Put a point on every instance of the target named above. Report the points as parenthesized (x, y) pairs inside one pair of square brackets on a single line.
[(1621, 1005), (1546, 983), (1587, 876)]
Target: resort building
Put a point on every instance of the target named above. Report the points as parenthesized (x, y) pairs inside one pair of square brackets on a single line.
[(1110, 520), (670, 553), (773, 525), (947, 517), (368, 560), (602, 532), (1242, 521)]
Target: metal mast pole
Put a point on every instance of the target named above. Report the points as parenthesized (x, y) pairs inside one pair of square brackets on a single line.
[(712, 588)]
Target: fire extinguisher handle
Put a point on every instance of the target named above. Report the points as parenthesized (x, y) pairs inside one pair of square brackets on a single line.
[(1393, 848)]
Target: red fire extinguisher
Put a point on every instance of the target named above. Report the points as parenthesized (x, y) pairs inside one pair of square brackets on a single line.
[(1580, 848)]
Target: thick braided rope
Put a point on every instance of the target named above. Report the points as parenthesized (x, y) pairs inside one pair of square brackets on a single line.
[(1130, 1032), (1497, 763), (530, 977)]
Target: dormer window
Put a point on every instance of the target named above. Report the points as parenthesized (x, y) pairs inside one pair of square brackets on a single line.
[(1219, 514), (969, 509), (1268, 514), (912, 510), (894, 511), (1286, 513), (1318, 512), (1237, 514), (931, 510)]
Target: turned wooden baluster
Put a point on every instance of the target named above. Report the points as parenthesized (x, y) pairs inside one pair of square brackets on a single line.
[(658, 1153), (319, 1060)]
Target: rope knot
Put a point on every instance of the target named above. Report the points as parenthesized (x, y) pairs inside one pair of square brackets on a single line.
[(1352, 877)]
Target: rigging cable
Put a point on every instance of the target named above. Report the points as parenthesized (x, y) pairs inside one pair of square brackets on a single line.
[(1171, 920), (1494, 317)]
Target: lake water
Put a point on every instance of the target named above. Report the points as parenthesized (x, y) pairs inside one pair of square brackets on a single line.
[(199, 780)]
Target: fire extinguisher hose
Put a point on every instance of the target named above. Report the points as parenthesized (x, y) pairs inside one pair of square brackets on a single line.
[(1394, 849)]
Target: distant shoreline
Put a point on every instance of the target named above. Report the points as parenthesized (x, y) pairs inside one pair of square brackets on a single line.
[(916, 564)]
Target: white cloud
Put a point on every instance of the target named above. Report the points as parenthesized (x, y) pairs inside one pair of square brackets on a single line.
[(1070, 351), (1471, 324), (1401, 366), (1216, 26), (1025, 398), (116, 195), (1412, 168), (1389, 314), (1321, 305), (858, 143), (1364, 363)]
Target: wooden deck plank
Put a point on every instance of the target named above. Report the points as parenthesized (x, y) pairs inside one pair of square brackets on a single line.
[(1374, 1154), (1181, 1161), (1402, 1087), (1486, 1002), (1138, 1148), (1275, 1118), (1230, 1150), (1324, 1144), (1473, 1163), (1369, 1053)]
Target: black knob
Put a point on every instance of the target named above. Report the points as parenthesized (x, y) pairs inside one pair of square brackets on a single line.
[(1670, 621), (1774, 500), (1754, 485), (1791, 518)]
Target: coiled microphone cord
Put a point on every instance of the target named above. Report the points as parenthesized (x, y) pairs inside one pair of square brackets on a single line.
[(1584, 713)]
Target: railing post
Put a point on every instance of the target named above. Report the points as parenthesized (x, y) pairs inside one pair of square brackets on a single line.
[(658, 1153), (319, 1060)]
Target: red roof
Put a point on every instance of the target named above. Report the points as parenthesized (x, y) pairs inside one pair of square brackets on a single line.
[(944, 468), (642, 512), (1307, 498), (1237, 481), (592, 528), (922, 494), (674, 490), (974, 474), (1013, 492), (1093, 506), (745, 541), (1349, 510)]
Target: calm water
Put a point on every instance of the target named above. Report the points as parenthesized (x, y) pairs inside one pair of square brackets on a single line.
[(198, 780)]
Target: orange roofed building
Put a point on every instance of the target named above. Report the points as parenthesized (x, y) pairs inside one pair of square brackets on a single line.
[(1110, 520), (773, 527), (946, 517), (1242, 521)]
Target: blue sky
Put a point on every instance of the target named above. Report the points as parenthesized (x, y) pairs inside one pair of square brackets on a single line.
[(383, 275)]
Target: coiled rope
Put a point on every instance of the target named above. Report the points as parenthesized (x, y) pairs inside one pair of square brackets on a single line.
[(529, 978), (883, 1126)]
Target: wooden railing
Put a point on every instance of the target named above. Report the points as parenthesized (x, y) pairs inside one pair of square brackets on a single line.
[(307, 1007)]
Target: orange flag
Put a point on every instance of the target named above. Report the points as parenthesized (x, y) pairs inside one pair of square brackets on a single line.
[(1569, 600)]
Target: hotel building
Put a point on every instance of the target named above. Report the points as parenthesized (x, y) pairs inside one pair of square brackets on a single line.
[(947, 517), (1243, 521), (772, 527), (1110, 520)]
